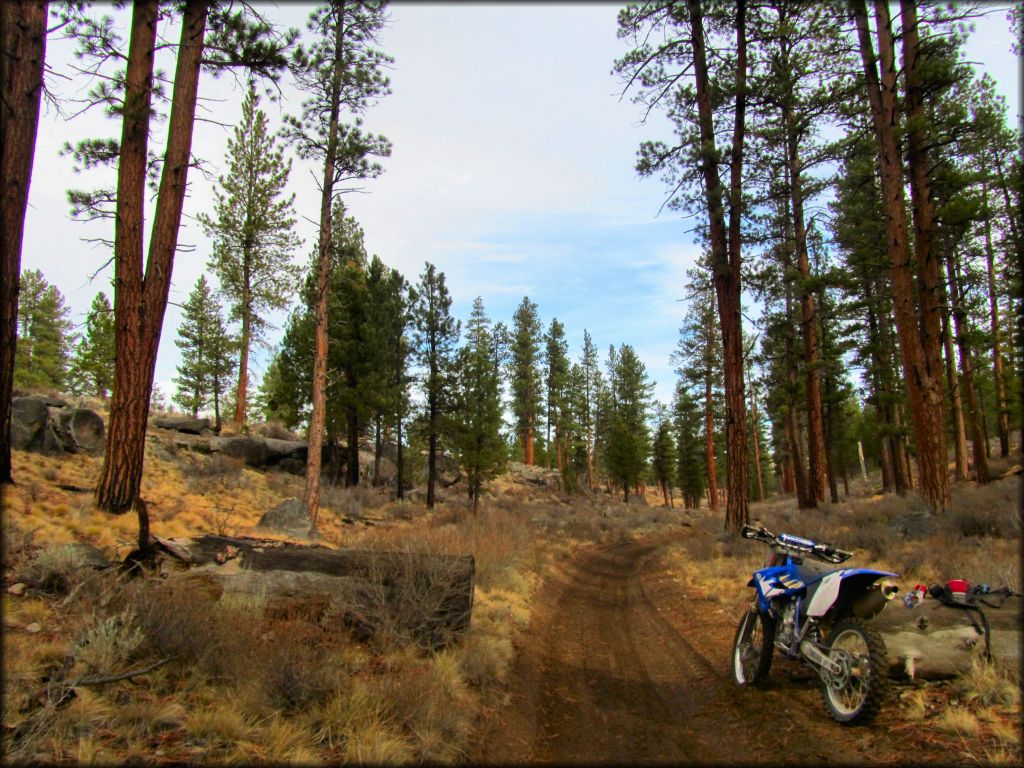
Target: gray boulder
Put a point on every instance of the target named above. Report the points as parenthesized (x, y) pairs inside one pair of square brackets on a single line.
[(184, 424), (39, 424), (29, 417), (290, 517), (80, 429), (251, 450)]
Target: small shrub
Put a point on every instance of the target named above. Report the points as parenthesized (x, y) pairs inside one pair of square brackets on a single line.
[(873, 538), (110, 643), (988, 684), (959, 721), (293, 674), (484, 659), (978, 519), (53, 568)]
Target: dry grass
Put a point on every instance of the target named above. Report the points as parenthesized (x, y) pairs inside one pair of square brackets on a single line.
[(243, 684), (249, 684)]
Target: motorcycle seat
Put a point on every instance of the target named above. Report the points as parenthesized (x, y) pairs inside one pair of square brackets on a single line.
[(813, 570)]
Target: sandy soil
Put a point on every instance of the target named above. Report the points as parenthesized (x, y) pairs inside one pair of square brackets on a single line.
[(621, 664)]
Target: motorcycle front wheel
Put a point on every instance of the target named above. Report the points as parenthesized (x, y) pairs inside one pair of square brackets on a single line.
[(855, 694), (752, 648)]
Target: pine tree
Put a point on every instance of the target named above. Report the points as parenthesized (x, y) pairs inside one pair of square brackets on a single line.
[(663, 457), (252, 229), (41, 358), (206, 353), (341, 72), (588, 400), (628, 435), (389, 319), (557, 374), (688, 420), (479, 445), (23, 35), (525, 376), (92, 368), (213, 37), (671, 46), (437, 332)]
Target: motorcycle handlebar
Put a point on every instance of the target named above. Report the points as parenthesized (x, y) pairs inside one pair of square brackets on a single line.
[(824, 551)]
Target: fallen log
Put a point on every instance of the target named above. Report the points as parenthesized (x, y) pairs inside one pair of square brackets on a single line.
[(409, 597), (936, 641)]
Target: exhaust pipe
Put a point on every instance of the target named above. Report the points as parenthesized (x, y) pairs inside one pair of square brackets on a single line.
[(873, 601)]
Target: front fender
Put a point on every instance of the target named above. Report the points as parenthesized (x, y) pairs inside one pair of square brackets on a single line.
[(842, 584)]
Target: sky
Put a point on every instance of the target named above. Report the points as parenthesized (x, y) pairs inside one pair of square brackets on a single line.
[(511, 171)]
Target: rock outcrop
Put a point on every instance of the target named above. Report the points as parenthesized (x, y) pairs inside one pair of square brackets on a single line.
[(48, 425), (291, 518), (184, 424)]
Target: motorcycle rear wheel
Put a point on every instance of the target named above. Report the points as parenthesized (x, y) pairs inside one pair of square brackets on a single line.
[(855, 695), (752, 648)]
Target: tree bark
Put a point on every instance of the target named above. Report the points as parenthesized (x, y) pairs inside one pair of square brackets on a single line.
[(816, 458), (709, 424), (930, 419), (959, 433), (311, 495), (757, 441), (245, 341), (400, 462), (725, 250), (996, 331), (919, 338), (140, 300), (22, 57), (352, 459), (804, 496), (432, 446), (981, 473)]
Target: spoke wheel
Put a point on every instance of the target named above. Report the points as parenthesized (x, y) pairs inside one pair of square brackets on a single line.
[(855, 694), (752, 648)]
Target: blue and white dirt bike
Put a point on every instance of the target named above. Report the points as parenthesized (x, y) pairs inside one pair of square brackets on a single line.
[(813, 612)]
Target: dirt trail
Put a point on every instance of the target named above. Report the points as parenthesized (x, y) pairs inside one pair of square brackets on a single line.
[(621, 665)]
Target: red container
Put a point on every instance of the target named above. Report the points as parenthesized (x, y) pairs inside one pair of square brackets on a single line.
[(958, 589)]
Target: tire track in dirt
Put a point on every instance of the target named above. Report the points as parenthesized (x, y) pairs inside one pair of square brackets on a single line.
[(619, 664)]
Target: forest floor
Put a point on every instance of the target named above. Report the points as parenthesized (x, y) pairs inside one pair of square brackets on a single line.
[(625, 663), (601, 632), (628, 655)]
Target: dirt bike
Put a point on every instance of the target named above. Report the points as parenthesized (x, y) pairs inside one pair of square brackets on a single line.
[(815, 613)]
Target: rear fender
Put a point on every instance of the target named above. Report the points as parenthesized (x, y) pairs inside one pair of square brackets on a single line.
[(842, 587)]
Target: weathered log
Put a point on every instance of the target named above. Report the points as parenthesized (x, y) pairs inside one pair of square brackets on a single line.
[(412, 597), (935, 641)]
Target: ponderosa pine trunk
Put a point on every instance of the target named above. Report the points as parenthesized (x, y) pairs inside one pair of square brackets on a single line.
[(725, 249), (352, 439), (953, 385), (928, 411), (805, 498), (919, 335), (140, 299), (311, 496), (981, 473), (816, 458), (757, 443), (244, 342), (709, 424), (996, 331), (22, 58), (400, 462)]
